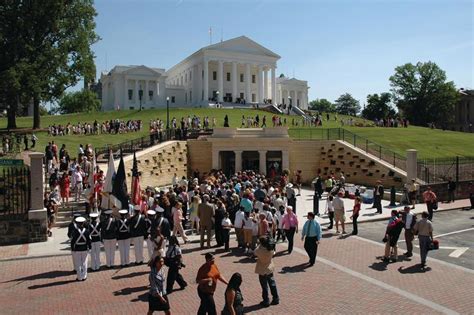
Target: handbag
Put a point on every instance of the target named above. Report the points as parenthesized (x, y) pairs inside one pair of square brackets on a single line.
[(434, 205), (434, 245)]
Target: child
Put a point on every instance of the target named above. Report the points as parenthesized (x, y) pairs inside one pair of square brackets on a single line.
[(355, 215), (226, 226), (330, 211)]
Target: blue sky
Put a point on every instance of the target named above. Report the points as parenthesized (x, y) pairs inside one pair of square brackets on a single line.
[(338, 46)]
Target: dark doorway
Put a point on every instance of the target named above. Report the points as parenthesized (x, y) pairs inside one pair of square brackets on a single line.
[(227, 162), (274, 163), (250, 161)]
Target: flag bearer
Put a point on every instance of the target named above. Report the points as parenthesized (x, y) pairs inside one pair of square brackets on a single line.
[(109, 236), (94, 230), (123, 237), (138, 229), (80, 244)]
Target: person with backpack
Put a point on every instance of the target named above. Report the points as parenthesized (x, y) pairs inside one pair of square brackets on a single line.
[(174, 262), (392, 233), (409, 221)]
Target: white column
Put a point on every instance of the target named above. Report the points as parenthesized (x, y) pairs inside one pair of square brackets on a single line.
[(263, 162), (265, 83), (295, 103), (220, 81), (411, 164), (215, 159), (145, 93), (157, 92), (137, 100), (238, 161), (260, 84), (274, 101), (199, 83), (125, 99), (206, 80), (234, 81), (248, 96), (285, 160)]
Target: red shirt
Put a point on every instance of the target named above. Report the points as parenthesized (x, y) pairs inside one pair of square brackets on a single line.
[(355, 211)]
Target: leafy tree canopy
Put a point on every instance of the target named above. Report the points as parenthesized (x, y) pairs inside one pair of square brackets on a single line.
[(44, 49), (80, 101), (378, 106), (422, 93), (322, 105), (347, 105)]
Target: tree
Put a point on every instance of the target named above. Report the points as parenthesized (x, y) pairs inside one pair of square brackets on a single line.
[(378, 106), (44, 49), (422, 93), (322, 105), (80, 101), (347, 105)]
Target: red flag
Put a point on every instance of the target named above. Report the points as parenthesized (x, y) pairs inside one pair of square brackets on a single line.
[(136, 192)]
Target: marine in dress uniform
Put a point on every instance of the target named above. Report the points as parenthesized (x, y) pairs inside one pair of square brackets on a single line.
[(148, 236), (80, 244), (108, 230), (70, 229), (94, 230), (123, 237), (138, 230)]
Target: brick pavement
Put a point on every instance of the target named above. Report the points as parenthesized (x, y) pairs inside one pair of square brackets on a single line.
[(46, 285)]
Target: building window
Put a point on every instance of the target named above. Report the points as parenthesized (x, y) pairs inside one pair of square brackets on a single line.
[(185, 78), (298, 103), (185, 98), (130, 95), (190, 76), (172, 99), (228, 76), (241, 96), (202, 74), (214, 75), (254, 97), (150, 95), (190, 96), (253, 78), (202, 95), (241, 77)]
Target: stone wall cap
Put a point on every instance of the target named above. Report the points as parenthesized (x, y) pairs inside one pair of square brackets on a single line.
[(37, 155)]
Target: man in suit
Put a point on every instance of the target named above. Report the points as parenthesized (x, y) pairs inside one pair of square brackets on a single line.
[(206, 212), (409, 220), (378, 195)]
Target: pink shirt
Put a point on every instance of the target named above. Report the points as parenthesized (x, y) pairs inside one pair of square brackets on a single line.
[(177, 216), (289, 221)]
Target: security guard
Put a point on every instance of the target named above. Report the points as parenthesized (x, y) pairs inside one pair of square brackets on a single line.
[(80, 244), (108, 230), (137, 232), (123, 237), (150, 219), (94, 230)]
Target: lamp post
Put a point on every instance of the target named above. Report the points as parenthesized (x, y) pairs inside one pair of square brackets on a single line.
[(140, 95), (217, 98), (167, 112)]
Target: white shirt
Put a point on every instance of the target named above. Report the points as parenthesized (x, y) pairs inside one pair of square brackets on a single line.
[(409, 219), (239, 218)]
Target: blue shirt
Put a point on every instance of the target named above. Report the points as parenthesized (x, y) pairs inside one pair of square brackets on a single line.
[(246, 204), (312, 228)]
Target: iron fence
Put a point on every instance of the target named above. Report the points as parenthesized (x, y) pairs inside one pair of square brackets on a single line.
[(15, 189), (441, 170)]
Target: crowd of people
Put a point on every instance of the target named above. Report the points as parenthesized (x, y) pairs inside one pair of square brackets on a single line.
[(12, 143), (115, 126), (393, 122)]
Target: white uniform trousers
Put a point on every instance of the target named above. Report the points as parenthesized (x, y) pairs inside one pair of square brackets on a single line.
[(74, 261), (124, 249), (95, 256), (138, 241), (150, 247), (109, 246), (81, 262)]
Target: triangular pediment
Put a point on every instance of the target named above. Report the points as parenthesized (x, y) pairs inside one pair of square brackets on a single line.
[(142, 70), (242, 44)]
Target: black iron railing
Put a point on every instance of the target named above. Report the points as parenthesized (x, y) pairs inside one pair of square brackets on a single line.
[(15, 191)]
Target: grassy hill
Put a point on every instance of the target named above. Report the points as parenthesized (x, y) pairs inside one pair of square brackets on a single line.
[(429, 143)]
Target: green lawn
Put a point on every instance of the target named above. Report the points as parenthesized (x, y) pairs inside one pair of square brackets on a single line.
[(429, 143)]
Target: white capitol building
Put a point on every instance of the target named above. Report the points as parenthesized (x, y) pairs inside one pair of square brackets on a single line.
[(237, 70)]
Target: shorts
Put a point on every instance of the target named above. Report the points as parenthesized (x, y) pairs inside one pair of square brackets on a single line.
[(51, 219), (154, 304), (339, 216), (248, 235)]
